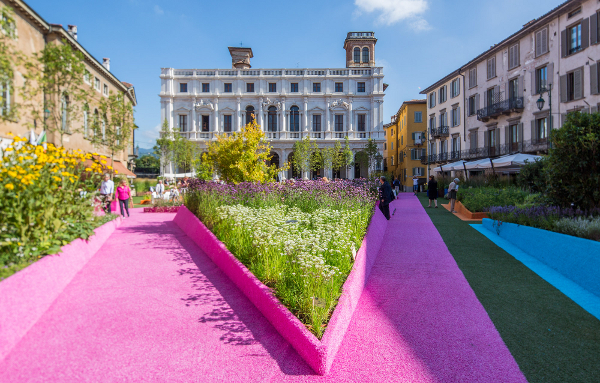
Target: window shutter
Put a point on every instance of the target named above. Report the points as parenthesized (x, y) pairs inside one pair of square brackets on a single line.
[(533, 83), (489, 69), (413, 135), (544, 40), (563, 44), (520, 133), (563, 88), (506, 134), (458, 115), (594, 78), (585, 33), (550, 73), (520, 86), (594, 28), (476, 102), (413, 171), (496, 94), (497, 134), (538, 43), (563, 119), (422, 171), (578, 84), (457, 86), (533, 131)]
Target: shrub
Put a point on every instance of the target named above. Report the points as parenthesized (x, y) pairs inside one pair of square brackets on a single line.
[(579, 227), (46, 199), (574, 162), (479, 199), (532, 176)]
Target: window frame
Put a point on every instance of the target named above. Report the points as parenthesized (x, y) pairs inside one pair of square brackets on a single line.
[(338, 122), (368, 56), (272, 87), (339, 87), (570, 49), (182, 122), (316, 87), (249, 87), (227, 87), (491, 68), (361, 122), (538, 80), (420, 119), (361, 87), (97, 84), (514, 62), (357, 55), (227, 123), (293, 87), (205, 87), (472, 100), (105, 90), (316, 123), (183, 87), (472, 78), (540, 33), (294, 119), (272, 119)]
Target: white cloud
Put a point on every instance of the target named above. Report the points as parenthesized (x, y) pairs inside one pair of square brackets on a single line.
[(158, 10), (146, 138), (393, 11)]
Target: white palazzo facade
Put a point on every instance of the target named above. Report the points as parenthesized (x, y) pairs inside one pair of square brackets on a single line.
[(325, 104)]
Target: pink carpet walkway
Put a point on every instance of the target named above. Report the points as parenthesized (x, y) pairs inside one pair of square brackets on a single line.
[(151, 307)]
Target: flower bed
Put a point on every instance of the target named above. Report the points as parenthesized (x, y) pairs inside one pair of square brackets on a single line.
[(575, 222), (162, 209), (298, 238), (479, 199)]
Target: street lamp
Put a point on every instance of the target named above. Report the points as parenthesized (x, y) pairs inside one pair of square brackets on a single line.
[(540, 104)]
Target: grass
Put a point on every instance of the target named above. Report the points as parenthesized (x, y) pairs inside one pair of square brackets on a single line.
[(551, 337)]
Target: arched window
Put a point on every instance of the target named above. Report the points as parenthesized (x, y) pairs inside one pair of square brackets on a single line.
[(294, 119), (357, 55), (65, 113), (86, 111), (250, 114), (95, 123), (365, 55), (272, 119), (104, 127)]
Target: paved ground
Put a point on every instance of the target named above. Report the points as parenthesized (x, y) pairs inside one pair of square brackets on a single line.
[(150, 306)]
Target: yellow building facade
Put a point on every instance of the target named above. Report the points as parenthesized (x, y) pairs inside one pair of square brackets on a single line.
[(406, 143)]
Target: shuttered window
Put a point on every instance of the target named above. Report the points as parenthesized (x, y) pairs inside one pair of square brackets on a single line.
[(541, 42), (432, 100), (491, 68), (472, 78), (513, 56), (571, 85)]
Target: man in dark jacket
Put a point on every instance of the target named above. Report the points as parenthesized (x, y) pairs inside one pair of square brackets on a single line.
[(385, 197), (432, 190)]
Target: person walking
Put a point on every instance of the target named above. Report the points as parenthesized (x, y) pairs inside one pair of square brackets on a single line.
[(160, 189), (385, 197), (107, 189), (396, 185), (123, 194), (452, 194), (432, 190), (415, 184)]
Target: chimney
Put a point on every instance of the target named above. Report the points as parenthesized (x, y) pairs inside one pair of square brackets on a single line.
[(73, 31), (240, 57), (106, 63)]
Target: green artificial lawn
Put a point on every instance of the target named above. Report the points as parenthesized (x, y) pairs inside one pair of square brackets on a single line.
[(551, 337)]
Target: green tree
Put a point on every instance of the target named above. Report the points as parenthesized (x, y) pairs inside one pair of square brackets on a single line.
[(303, 160), (242, 156), (186, 152), (574, 162), (118, 124), (149, 162), (9, 59), (346, 156), (57, 73), (367, 156), (164, 146)]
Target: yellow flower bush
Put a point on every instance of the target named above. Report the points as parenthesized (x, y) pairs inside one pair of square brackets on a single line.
[(46, 199)]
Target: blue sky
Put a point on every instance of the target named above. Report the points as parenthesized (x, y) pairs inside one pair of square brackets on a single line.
[(419, 41)]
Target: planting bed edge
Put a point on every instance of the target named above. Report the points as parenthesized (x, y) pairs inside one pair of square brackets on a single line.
[(319, 354), (26, 295)]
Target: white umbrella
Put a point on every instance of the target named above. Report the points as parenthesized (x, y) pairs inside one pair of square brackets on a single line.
[(514, 160), (478, 164)]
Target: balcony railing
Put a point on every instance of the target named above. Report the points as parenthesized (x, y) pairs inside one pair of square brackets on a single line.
[(502, 107), (442, 131), (317, 135)]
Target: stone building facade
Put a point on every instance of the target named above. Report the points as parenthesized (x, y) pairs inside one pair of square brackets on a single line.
[(325, 104), (33, 34), (552, 58)]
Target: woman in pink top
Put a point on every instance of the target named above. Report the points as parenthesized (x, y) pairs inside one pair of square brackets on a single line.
[(123, 193)]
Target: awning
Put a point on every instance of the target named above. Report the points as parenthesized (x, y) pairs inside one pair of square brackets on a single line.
[(513, 160), (458, 165), (118, 167)]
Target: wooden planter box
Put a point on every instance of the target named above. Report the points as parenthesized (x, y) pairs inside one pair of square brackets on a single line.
[(461, 209)]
